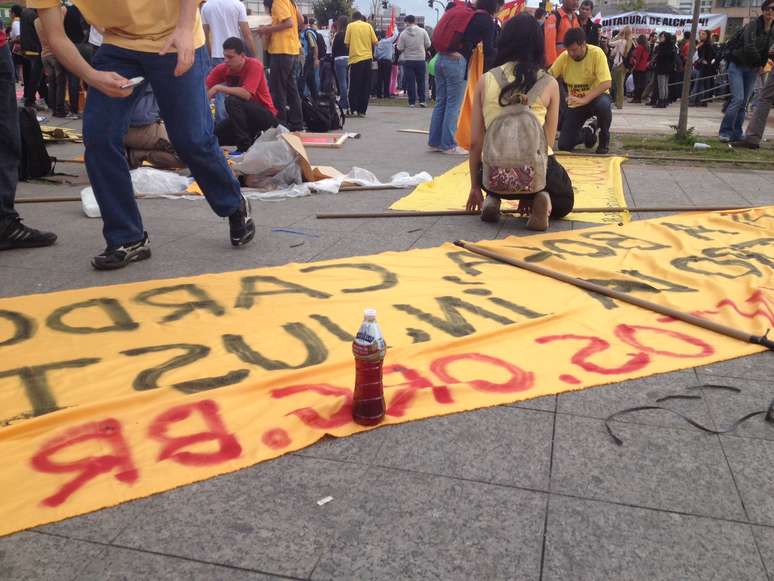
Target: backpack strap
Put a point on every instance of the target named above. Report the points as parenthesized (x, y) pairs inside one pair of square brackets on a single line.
[(537, 89)]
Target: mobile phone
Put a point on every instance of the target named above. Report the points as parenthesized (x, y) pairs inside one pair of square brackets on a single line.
[(131, 83)]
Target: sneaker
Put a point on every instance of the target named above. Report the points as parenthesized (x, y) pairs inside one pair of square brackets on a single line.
[(73, 116), (114, 258), (241, 225), (412, 105), (455, 151), (541, 209), (490, 209), (589, 137), (724, 139), (434, 149), (602, 150), (17, 235), (423, 105)]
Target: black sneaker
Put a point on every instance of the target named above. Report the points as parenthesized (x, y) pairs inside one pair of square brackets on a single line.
[(602, 150), (744, 144), (589, 137), (17, 235), (241, 226), (113, 258)]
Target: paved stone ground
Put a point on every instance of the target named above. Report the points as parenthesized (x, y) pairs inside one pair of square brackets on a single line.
[(552, 498)]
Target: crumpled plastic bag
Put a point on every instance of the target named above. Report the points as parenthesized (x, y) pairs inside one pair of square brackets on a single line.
[(270, 163), (145, 180)]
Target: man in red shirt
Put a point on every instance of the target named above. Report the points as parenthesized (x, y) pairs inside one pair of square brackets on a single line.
[(249, 107)]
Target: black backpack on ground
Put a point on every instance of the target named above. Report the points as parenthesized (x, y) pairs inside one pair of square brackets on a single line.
[(322, 115), (35, 161)]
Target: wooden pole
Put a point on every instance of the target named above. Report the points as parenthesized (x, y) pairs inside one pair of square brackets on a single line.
[(762, 340), (682, 121), (599, 210)]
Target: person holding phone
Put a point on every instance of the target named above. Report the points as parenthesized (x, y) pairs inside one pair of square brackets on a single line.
[(162, 41)]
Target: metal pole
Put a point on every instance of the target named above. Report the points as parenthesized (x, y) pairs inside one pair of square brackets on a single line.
[(762, 340), (682, 123)]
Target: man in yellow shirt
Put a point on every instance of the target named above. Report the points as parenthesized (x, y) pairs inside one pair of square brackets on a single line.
[(162, 42), (360, 39), (584, 69), (283, 48)]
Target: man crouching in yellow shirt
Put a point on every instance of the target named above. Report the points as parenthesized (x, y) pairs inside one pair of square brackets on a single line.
[(162, 42), (584, 69)]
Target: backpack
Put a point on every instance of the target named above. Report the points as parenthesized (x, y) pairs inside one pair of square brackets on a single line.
[(322, 115), (327, 76), (515, 154), (447, 36), (35, 161), (322, 49)]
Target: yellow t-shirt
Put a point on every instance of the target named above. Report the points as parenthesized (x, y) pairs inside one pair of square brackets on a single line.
[(142, 25), (491, 103), (581, 76), (285, 41), (360, 38)]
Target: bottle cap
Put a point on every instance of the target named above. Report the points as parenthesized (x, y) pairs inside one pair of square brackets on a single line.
[(370, 314)]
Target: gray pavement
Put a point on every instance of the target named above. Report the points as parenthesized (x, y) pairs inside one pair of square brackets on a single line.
[(534, 490)]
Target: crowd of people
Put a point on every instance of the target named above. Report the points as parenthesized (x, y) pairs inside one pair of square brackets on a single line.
[(188, 55)]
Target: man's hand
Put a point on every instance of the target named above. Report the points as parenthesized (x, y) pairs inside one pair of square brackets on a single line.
[(475, 200), (109, 83), (182, 40), (262, 30), (574, 101), (214, 90)]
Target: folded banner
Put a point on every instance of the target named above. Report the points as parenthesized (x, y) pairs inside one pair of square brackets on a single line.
[(113, 393), (596, 180)]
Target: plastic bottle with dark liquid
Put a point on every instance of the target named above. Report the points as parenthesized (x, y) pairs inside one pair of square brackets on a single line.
[(368, 349)]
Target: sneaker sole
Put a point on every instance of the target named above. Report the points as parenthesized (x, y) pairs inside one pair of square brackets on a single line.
[(490, 213), (22, 245), (538, 218), (143, 254)]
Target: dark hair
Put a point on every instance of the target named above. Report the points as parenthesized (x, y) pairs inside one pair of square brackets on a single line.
[(341, 24), (520, 42), (410, 19), (574, 36), (235, 44), (489, 5), (450, 5), (16, 10), (686, 34), (312, 20), (588, 3), (356, 16), (306, 20), (642, 40), (765, 3), (539, 13)]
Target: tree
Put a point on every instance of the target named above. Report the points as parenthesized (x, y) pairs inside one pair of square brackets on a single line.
[(325, 10), (631, 5)]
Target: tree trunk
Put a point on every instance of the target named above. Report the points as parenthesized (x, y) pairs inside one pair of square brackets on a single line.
[(682, 124)]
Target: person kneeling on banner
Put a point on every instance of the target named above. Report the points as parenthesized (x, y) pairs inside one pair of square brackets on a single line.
[(249, 108), (515, 114), (146, 140), (583, 67)]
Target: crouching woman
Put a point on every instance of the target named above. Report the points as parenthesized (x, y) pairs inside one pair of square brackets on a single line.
[(520, 165)]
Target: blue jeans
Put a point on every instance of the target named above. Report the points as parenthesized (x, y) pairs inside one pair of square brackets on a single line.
[(220, 98), (10, 141), (450, 89), (185, 109), (414, 72), (741, 82), (340, 68)]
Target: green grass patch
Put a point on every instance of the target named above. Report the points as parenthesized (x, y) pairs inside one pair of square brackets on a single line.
[(666, 146), (395, 102)]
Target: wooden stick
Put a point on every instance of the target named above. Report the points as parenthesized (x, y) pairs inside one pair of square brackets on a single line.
[(55, 199), (762, 340), (599, 210), (418, 131)]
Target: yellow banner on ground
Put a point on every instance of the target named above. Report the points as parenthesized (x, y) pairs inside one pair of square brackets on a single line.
[(596, 180), (113, 393)]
